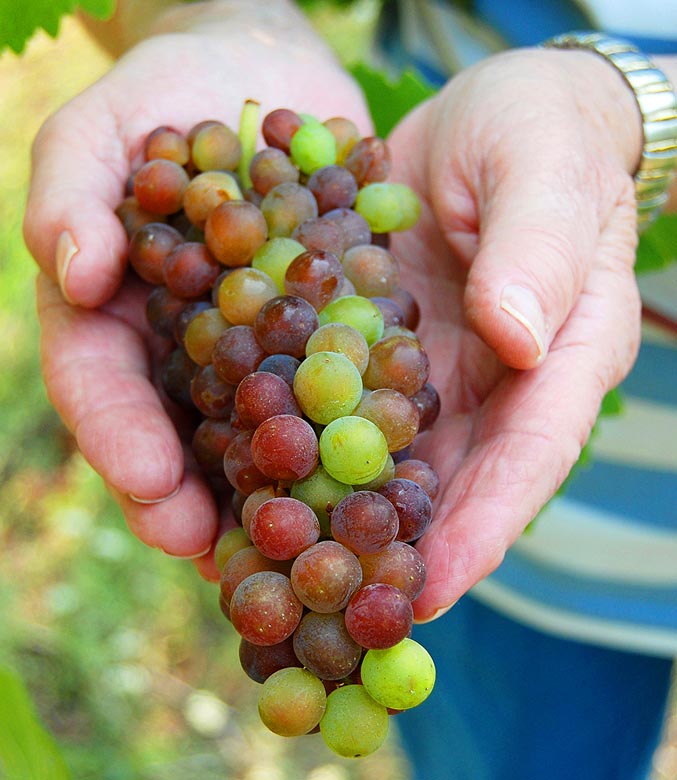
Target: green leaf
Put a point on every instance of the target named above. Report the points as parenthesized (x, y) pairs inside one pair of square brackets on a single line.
[(658, 245), (27, 751), (388, 100), (19, 21)]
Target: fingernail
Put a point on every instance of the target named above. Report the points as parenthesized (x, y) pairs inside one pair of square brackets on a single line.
[(66, 249), (435, 615), (188, 557), (521, 304), (155, 500)]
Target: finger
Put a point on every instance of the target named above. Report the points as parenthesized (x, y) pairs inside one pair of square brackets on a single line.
[(540, 226), (96, 372), (527, 437), (70, 228), (183, 525)]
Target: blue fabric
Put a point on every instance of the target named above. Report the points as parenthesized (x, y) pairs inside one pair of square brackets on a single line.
[(511, 703)]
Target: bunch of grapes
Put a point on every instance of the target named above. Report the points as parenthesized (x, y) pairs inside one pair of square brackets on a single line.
[(295, 355)]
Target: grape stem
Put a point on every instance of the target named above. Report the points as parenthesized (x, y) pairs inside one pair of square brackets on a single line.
[(249, 122)]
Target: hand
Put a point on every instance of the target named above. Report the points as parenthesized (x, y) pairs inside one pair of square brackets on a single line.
[(96, 354), (522, 263)]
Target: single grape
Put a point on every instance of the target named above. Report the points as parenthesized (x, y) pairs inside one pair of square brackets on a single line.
[(264, 609), (216, 147), (394, 413), (259, 662), (315, 276), (346, 134), (189, 270), (409, 305), (168, 144), (291, 702), (334, 187), (369, 160), (162, 311), (400, 564), (353, 450), (202, 333), (323, 645), (262, 395), (427, 401), (283, 528), (413, 507), (379, 616), (271, 167), (312, 146), (365, 522), (229, 543), (399, 677), (159, 186), (353, 724), (327, 385), (242, 294), (149, 247), (325, 576), (234, 230), (320, 234), (358, 312), (286, 206), (285, 448), (397, 362), (209, 444), (178, 371), (237, 353), (393, 316), (284, 366), (372, 269), (321, 492), (212, 396), (284, 325), (341, 338), (279, 126)]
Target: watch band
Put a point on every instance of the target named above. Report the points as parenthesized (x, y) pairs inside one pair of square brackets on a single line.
[(657, 103)]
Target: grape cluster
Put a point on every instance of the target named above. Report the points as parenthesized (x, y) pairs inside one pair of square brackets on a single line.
[(295, 352)]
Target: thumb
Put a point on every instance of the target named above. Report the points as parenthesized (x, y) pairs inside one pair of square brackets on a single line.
[(70, 228), (540, 224)]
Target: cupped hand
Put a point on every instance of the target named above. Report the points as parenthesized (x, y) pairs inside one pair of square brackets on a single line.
[(522, 263), (98, 354)]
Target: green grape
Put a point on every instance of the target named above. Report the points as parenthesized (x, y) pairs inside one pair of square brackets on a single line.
[(400, 677), (410, 206), (313, 146), (292, 701), (353, 724), (321, 492), (327, 385), (387, 206), (233, 540), (379, 481), (275, 256), (353, 450), (338, 337), (358, 312)]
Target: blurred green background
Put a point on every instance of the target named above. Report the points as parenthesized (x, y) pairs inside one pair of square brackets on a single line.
[(124, 651)]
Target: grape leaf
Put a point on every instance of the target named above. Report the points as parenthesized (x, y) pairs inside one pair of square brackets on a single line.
[(658, 245), (18, 22), (388, 100), (27, 751)]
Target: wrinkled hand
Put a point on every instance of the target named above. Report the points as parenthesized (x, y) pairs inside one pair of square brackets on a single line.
[(96, 359), (522, 263)]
